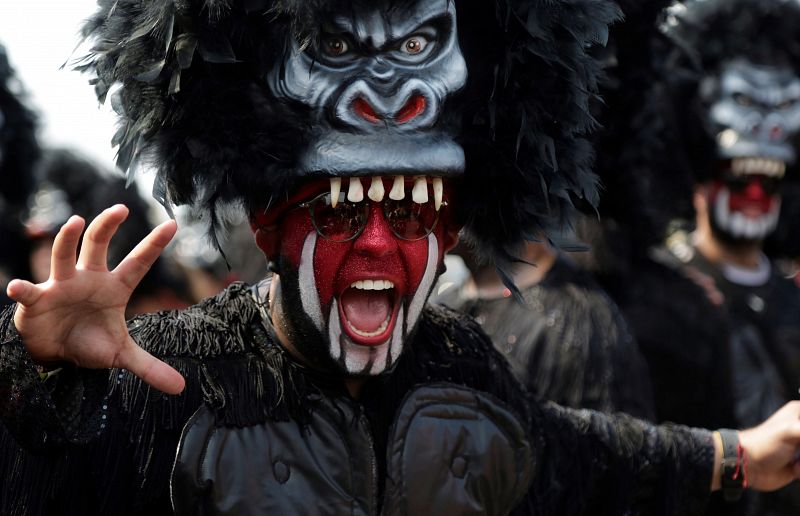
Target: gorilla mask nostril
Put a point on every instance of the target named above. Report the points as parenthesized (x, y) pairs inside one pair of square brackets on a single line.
[(412, 109), (364, 110)]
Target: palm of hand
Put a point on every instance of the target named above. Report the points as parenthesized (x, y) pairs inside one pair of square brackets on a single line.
[(78, 315)]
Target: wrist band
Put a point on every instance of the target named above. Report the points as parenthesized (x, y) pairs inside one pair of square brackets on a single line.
[(734, 466)]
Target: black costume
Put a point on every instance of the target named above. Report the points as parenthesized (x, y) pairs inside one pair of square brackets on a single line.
[(104, 443), (566, 341), (251, 101), (707, 96)]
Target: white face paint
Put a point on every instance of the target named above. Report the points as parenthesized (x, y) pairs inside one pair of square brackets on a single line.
[(308, 281), (373, 360), (741, 226)]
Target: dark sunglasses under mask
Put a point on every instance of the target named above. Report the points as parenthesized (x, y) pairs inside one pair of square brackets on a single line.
[(407, 219)]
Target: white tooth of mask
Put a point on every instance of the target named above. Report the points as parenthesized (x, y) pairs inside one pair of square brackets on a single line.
[(368, 285), (376, 191), (355, 192), (419, 194), (438, 192), (398, 191), (336, 189)]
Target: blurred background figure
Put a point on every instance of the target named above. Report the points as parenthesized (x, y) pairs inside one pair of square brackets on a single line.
[(702, 122), (209, 268), (564, 337), (19, 152), (69, 184)]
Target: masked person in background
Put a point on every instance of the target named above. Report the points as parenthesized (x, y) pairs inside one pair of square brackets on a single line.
[(360, 137), (705, 129)]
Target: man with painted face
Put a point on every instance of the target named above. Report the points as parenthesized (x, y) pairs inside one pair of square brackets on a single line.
[(745, 122), (331, 388), (748, 105), (706, 133)]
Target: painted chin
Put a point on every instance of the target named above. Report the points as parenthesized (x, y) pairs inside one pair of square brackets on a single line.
[(746, 223)]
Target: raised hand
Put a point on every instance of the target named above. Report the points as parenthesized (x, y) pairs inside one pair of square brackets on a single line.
[(78, 314)]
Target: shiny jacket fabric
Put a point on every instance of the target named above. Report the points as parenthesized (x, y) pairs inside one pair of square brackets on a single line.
[(448, 431), (567, 342)]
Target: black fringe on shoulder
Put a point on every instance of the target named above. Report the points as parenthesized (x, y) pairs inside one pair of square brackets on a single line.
[(193, 103)]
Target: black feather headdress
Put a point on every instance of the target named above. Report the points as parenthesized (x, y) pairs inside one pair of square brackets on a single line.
[(193, 103)]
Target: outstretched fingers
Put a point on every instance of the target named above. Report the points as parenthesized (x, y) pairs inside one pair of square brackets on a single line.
[(133, 268), (23, 292), (151, 370), (94, 250), (65, 249)]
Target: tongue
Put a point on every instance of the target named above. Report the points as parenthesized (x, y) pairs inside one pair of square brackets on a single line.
[(366, 309)]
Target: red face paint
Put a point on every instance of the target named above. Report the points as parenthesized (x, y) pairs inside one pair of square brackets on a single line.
[(747, 196), (376, 255)]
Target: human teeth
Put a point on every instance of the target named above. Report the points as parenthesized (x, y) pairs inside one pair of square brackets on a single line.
[(419, 194), (336, 188), (381, 329), (372, 284), (376, 191), (398, 191), (438, 191), (355, 192)]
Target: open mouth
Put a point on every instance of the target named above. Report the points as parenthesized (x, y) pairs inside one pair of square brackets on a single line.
[(368, 309)]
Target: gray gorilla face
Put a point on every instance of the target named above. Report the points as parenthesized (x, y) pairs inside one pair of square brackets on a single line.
[(376, 80), (754, 111)]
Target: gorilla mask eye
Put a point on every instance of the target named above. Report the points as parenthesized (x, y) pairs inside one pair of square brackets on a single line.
[(743, 99), (335, 46), (414, 45)]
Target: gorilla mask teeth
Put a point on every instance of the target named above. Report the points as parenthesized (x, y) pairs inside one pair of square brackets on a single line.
[(398, 192), (355, 192), (419, 194), (376, 190), (438, 192), (336, 188), (764, 166)]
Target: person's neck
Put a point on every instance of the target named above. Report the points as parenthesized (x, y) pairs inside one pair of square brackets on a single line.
[(718, 252), (353, 385)]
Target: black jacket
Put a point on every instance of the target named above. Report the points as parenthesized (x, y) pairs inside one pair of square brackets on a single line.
[(449, 431)]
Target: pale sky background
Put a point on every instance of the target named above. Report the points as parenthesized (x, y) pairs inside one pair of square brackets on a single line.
[(40, 36)]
